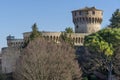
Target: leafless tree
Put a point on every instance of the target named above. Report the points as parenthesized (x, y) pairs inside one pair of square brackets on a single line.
[(43, 60)]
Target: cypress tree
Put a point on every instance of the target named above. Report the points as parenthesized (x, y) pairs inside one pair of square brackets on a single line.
[(35, 33)]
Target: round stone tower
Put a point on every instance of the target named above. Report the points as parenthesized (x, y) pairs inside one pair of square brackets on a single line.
[(87, 20)]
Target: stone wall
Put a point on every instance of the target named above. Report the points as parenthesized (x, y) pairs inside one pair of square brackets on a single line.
[(10, 56), (86, 21), (78, 38), (11, 53)]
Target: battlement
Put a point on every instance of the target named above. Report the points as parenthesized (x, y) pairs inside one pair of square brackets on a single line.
[(87, 20), (10, 37), (13, 42), (78, 38)]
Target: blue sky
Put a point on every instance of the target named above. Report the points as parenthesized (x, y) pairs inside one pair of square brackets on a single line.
[(17, 16)]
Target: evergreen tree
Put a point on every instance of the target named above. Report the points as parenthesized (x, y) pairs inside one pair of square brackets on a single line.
[(69, 30), (66, 36), (35, 33), (115, 19), (101, 49)]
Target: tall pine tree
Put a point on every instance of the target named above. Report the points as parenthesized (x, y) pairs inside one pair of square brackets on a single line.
[(69, 30), (115, 19), (35, 33)]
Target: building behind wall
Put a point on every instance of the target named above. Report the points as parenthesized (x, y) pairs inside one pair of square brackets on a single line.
[(86, 21)]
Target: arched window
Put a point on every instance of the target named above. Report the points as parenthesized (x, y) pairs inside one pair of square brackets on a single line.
[(89, 20), (83, 19), (54, 38), (80, 19), (73, 39), (92, 20), (93, 12), (79, 40), (57, 38), (50, 37), (82, 40), (76, 40)]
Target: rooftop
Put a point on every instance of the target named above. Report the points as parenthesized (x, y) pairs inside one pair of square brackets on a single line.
[(87, 9)]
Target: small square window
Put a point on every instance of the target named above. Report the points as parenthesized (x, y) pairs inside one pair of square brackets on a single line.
[(93, 12), (77, 26)]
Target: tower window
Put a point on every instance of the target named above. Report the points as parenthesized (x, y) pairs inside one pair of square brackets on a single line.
[(87, 12), (75, 13), (80, 13), (83, 18), (93, 12), (80, 19), (77, 26)]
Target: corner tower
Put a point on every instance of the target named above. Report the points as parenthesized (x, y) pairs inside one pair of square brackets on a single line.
[(87, 20)]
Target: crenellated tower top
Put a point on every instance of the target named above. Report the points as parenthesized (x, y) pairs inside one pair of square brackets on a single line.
[(87, 20)]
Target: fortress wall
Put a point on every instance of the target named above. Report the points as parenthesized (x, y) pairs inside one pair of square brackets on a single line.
[(11, 53), (78, 38), (52, 36), (26, 35), (92, 28), (9, 58), (51, 33), (15, 42)]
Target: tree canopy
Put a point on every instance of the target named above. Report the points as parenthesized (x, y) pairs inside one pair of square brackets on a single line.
[(35, 32), (43, 60), (66, 35), (100, 48), (115, 19), (69, 30)]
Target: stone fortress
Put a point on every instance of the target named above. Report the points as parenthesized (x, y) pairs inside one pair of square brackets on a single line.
[(87, 20)]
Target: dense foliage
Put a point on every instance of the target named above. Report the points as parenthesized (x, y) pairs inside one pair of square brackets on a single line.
[(66, 36), (115, 19), (104, 41), (102, 47), (35, 32), (43, 60), (69, 30)]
